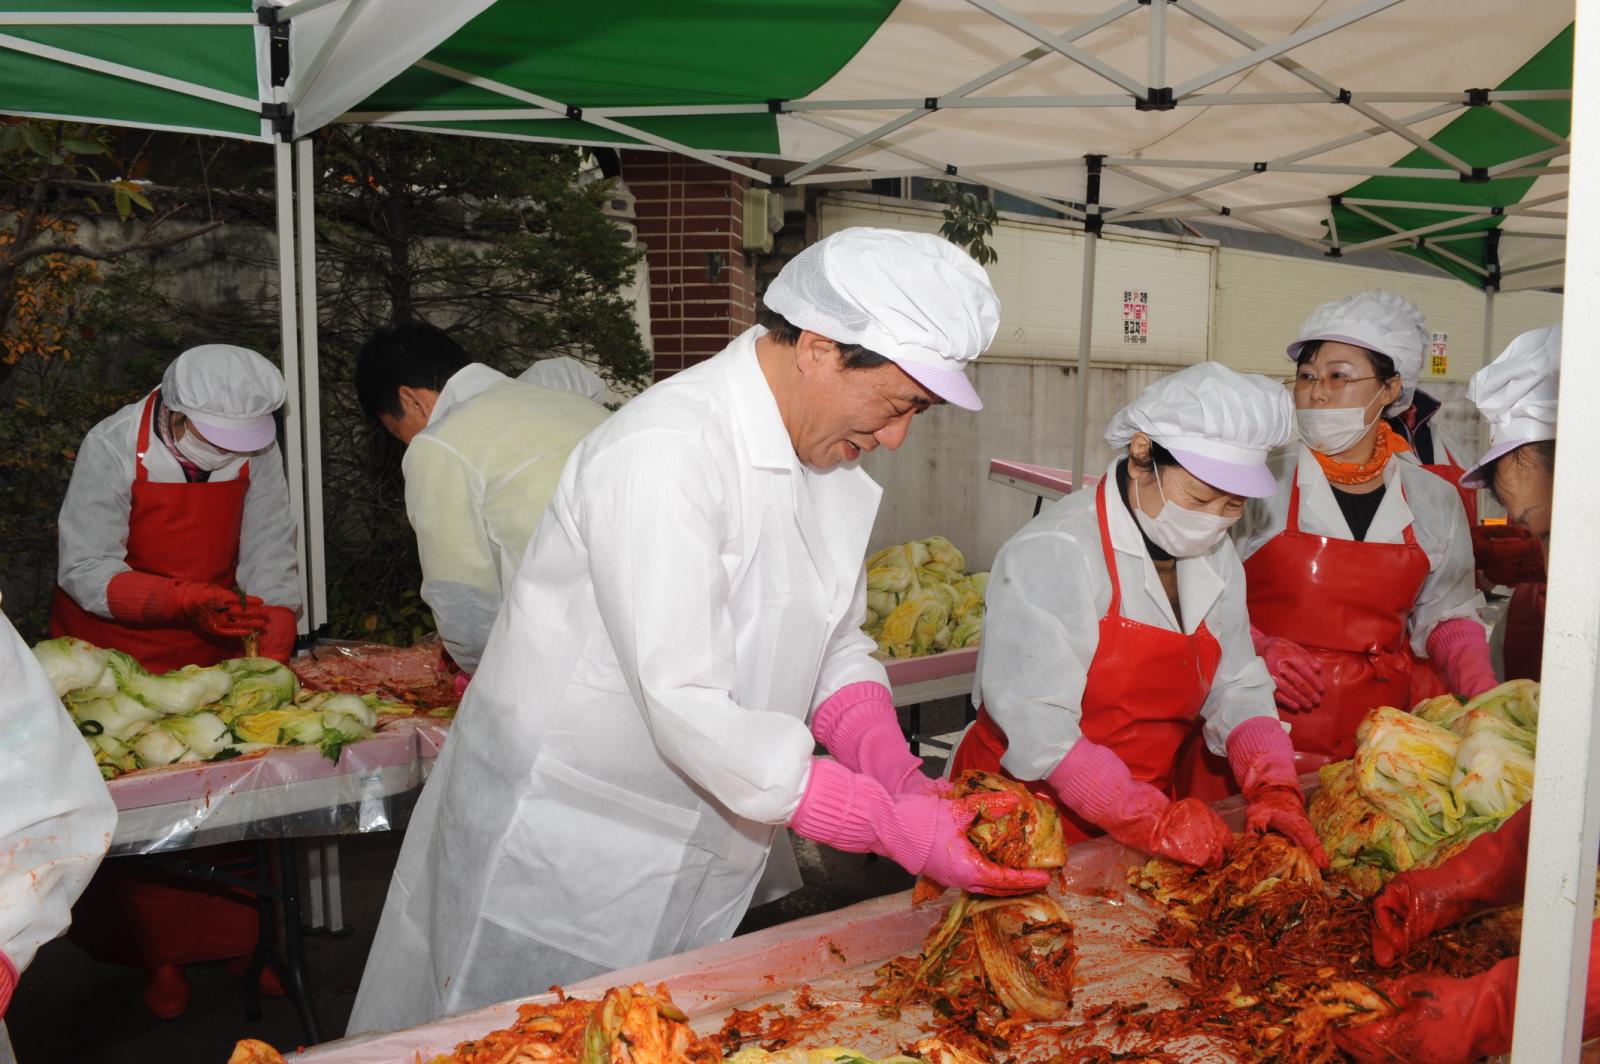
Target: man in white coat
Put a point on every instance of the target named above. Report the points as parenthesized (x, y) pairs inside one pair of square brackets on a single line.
[(692, 598), (56, 817)]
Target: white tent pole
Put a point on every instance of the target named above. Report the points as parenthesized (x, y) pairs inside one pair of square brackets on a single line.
[(1023, 24), (316, 533), (513, 93), (974, 175), (1488, 336), (1511, 114), (1261, 53), (1158, 43), (1080, 443), (1527, 160), (1558, 902), (288, 326), (1545, 265), (1091, 239)]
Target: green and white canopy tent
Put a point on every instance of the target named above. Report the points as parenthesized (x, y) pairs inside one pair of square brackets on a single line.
[(1436, 127)]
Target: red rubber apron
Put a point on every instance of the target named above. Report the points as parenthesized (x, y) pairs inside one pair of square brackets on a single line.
[(1347, 602), (183, 531), (129, 914), (1523, 649), (1142, 696)]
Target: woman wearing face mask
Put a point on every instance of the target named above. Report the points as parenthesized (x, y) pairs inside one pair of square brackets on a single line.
[(178, 503), (1359, 565), (1116, 630), (174, 534)]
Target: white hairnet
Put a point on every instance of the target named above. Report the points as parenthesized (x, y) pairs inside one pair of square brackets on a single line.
[(1220, 424), (1378, 320), (1516, 394), (229, 392), (914, 298)]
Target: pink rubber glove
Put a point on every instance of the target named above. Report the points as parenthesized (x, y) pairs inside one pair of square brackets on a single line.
[(859, 726), (8, 982), (1295, 672), (1093, 782), (925, 835), (1262, 759), (1461, 651)]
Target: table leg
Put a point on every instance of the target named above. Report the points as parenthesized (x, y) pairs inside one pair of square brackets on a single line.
[(334, 887), (294, 962)]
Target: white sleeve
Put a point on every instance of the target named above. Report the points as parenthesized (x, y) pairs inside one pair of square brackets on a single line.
[(848, 658), (655, 517), (1041, 628), (1450, 589), (92, 536), (57, 817), (1241, 689), (268, 568)]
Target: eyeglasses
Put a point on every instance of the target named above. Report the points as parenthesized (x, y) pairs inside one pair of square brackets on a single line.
[(1333, 383)]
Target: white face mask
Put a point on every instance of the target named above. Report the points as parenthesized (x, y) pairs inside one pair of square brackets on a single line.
[(1181, 532), (1335, 431), (202, 452)]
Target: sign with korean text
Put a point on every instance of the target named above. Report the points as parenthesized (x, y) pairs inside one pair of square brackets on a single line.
[(1439, 354), (1135, 316)]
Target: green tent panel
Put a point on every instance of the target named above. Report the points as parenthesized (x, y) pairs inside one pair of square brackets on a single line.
[(641, 53), (1480, 137)]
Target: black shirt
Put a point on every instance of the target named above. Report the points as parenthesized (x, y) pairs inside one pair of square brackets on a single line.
[(1358, 510)]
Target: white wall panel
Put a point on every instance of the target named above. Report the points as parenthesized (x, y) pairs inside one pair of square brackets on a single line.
[(1262, 299), (1039, 277)]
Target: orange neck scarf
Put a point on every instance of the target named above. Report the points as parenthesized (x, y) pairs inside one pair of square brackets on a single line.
[(1388, 444)]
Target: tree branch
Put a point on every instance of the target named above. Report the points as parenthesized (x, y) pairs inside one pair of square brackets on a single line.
[(107, 254)]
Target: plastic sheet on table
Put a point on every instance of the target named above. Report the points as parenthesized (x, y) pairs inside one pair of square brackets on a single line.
[(285, 792), (836, 955)]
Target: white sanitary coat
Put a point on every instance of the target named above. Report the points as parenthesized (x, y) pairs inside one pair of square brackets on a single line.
[(93, 533), (478, 478), (1412, 496), (1048, 590), (56, 816), (638, 726)]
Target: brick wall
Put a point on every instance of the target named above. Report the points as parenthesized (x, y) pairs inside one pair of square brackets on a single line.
[(687, 212)]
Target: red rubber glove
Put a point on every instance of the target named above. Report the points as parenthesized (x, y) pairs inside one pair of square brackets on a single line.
[(1508, 555), (1486, 875), (1455, 1021), (859, 726), (145, 598), (1295, 672), (1262, 759), (1094, 782), (277, 633), (924, 835), (1460, 649)]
